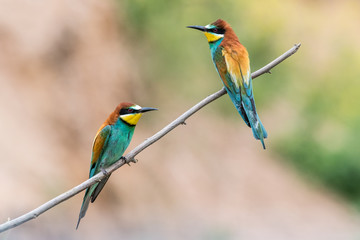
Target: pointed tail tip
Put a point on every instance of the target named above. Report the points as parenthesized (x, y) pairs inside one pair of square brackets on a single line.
[(77, 225), (263, 143)]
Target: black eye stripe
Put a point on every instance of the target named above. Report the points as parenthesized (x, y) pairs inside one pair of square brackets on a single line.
[(123, 111), (217, 30), (127, 111)]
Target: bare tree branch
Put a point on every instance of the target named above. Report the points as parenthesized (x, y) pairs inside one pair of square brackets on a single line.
[(130, 156)]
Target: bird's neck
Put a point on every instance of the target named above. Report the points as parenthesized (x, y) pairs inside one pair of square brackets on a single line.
[(214, 45), (124, 125)]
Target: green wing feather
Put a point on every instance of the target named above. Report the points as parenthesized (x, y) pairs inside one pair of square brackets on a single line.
[(100, 143)]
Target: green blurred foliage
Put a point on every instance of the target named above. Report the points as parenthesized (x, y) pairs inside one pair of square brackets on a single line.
[(321, 82), (179, 59), (326, 144)]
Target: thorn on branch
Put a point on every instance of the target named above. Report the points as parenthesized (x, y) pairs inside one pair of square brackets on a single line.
[(183, 123), (134, 160), (269, 72)]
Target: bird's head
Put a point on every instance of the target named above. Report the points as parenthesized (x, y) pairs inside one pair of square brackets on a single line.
[(214, 31), (129, 113)]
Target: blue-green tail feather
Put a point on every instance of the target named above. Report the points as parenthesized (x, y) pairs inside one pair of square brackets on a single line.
[(257, 127), (247, 110), (235, 98), (258, 130), (88, 195)]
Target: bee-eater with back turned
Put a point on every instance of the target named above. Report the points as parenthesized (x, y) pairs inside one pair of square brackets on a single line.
[(110, 143), (232, 62)]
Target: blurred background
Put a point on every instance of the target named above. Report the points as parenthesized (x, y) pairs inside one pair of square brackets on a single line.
[(65, 65)]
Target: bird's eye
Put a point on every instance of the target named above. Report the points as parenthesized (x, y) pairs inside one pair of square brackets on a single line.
[(215, 30), (130, 110)]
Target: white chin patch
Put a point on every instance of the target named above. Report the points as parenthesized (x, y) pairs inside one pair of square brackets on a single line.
[(219, 35)]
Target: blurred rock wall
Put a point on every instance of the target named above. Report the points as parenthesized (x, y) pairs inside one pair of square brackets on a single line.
[(63, 68)]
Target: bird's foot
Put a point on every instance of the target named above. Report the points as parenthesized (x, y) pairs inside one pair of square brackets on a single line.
[(104, 172), (127, 161)]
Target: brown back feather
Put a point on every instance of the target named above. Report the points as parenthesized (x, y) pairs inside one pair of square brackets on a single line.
[(230, 38), (231, 43)]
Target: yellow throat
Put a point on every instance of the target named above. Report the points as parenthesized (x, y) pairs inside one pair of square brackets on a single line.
[(212, 37), (131, 119)]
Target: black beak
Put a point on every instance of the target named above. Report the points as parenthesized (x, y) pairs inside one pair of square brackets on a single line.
[(200, 28), (147, 109)]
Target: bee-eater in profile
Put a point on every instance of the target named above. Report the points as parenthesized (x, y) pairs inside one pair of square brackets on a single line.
[(110, 142), (232, 62)]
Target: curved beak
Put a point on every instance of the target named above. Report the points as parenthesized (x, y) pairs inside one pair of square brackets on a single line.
[(147, 109), (200, 28)]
